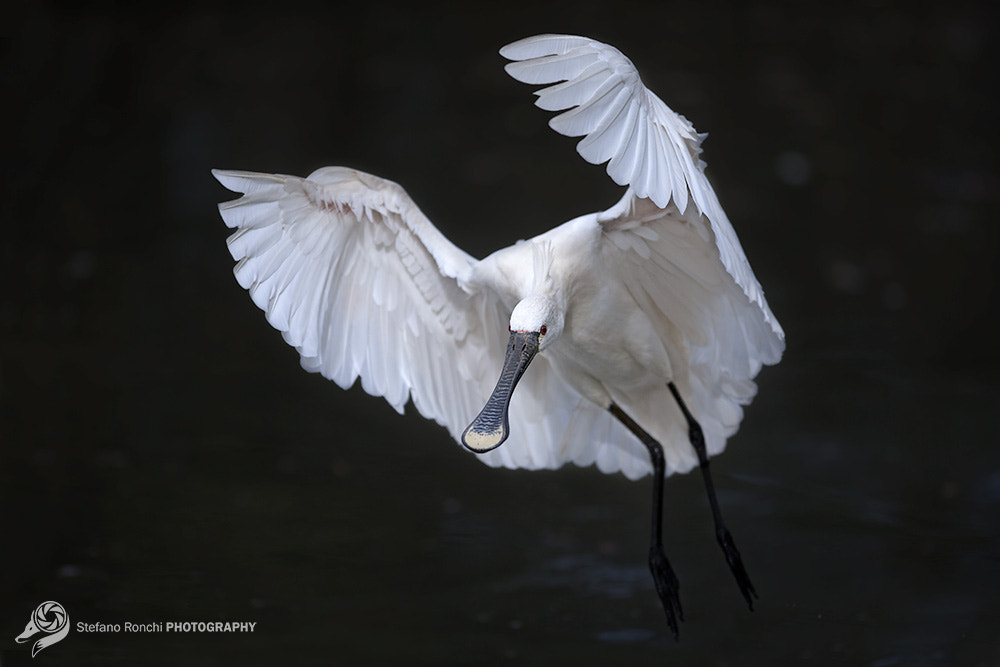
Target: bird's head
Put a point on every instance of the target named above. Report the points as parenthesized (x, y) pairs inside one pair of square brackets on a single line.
[(535, 323), (539, 315)]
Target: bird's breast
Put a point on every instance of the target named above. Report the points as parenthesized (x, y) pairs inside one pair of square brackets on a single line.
[(609, 344)]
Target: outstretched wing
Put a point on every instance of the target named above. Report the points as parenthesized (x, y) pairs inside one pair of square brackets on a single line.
[(648, 147), (361, 283), (668, 239)]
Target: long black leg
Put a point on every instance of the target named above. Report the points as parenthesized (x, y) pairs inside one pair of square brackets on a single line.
[(667, 586), (721, 532)]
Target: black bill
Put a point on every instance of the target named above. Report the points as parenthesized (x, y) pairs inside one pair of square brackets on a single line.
[(489, 429)]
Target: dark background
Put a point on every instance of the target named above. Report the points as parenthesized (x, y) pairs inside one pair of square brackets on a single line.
[(165, 458)]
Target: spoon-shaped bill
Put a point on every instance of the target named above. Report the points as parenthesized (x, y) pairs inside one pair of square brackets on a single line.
[(489, 429)]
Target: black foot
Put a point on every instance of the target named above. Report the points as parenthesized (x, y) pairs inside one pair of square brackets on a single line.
[(736, 565), (667, 587)]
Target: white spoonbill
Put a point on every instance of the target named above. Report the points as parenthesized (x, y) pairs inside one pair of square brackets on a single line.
[(627, 310)]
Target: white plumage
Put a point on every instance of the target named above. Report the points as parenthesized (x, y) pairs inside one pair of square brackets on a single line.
[(655, 289)]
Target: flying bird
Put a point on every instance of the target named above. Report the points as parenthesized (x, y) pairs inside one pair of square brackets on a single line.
[(632, 335)]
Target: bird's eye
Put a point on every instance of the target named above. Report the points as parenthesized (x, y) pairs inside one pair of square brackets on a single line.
[(544, 330)]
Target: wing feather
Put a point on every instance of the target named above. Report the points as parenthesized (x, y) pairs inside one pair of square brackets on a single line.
[(601, 143), (565, 95)]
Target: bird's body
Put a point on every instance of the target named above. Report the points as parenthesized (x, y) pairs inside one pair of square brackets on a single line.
[(623, 307)]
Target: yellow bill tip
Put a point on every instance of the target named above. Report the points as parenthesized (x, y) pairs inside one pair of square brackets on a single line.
[(481, 442)]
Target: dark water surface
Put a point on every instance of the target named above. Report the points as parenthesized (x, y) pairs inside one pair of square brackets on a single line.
[(164, 457)]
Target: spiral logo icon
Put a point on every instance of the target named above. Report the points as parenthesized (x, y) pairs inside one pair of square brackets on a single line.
[(49, 617)]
